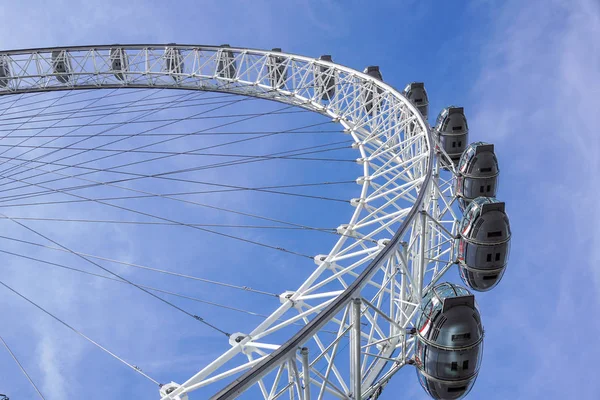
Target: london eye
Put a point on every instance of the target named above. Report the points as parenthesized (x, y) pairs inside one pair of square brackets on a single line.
[(372, 301)]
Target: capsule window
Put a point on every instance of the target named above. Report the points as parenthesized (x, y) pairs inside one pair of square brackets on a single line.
[(494, 234), (489, 187), (490, 277), (489, 169), (453, 144), (454, 366), (459, 143), (461, 336), (457, 128), (489, 257), (466, 364), (454, 389), (480, 189), (497, 256)]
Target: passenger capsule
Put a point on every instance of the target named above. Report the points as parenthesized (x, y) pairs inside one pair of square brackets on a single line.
[(226, 66), (174, 62), (449, 342), (119, 63), (61, 64), (416, 93), (452, 131), (477, 173), (325, 79), (277, 70), (371, 101), (484, 243), (4, 72)]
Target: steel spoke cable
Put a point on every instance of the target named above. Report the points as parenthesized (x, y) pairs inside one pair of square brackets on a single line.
[(13, 130), (152, 93), (118, 276), (11, 147), (170, 139), (196, 299), (141, 122), (134, 119), (233, 102), (164, 175), (113, 113), (122, 92), (133, 367), (105, 107), (176, 222), (149, 95), (140, 147), (6, 199), (178, 134), (72, 93), (170, 152), (184, 201), (272, 155), (21, 367), (14, 101), (63, 266), (196, 203), (45, 110), (168, 156), (64, 134), (144, 267), (117, 222)]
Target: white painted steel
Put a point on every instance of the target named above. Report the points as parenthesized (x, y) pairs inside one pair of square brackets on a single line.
[(397, 244)]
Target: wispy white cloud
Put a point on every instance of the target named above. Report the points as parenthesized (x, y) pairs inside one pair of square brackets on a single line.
[(536, 98)]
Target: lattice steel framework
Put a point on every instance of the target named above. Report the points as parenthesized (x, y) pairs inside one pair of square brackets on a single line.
[(358, 305)]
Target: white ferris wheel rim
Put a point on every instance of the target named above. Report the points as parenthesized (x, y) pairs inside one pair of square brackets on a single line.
[(89, 67)]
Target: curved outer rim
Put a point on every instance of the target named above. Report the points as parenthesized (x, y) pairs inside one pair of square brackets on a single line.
[(278, 356)]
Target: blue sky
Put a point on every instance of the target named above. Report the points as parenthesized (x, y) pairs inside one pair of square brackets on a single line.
[(527, 75)]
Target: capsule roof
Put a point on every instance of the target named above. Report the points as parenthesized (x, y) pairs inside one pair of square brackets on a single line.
[(416, 93), (373, 70), (482, 205), (441, 299), (444, 296), (452, 121), (493, 228), (479, 153)]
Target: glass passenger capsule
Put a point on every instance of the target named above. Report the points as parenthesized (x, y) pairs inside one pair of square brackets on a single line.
[(4, 71), (452, 131), (477, 173), (325, 78), (61, 65), (484, 243), (174, 62), (226, 65), (119, 63), (449, 342), (277, 70), (372, 102), (416, 93)]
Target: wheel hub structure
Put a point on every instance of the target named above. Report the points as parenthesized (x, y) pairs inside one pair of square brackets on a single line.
[(348, 328)]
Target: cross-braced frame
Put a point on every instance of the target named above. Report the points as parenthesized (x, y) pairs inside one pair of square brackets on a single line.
[(356, 309)]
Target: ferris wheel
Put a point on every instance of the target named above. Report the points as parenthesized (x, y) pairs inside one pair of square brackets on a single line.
[(372, 303)]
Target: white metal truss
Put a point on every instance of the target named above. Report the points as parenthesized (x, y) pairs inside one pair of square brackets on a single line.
[(358, 305)]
